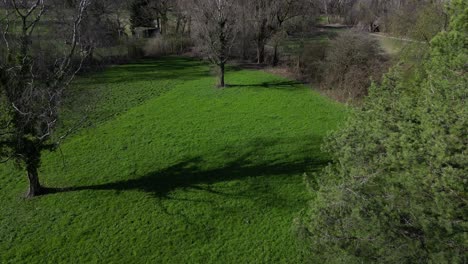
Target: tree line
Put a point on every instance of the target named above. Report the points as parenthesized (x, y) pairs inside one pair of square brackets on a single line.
[(252, 30)]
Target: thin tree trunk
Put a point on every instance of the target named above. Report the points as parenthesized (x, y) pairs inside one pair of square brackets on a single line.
[(177, 25), (275, 55), (244, 35), (184, 25), (221, 75), (260, 52), (91, 55), (35, 188), (189, 30), (261, 40), (163, 29)]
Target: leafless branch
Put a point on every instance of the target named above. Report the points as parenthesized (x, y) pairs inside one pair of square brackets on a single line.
[(6, 30), (19, 111), (63, 68), (71, 130)]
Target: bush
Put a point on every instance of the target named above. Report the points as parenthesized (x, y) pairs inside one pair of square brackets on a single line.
[(311, 62), (396, 192), (343, 67), (351, 61), (167, 45)]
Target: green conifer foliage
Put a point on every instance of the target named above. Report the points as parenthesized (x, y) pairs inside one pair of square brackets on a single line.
[(396, 192)]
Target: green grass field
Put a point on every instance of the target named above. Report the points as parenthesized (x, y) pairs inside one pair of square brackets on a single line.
[(170, 169)]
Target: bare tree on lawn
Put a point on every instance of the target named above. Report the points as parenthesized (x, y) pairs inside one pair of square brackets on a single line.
[(217, 27), (34, 71)]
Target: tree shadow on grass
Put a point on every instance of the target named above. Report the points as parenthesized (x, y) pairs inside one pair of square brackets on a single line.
[(188, 175), (170, 68), (193, 172), (281, 85)]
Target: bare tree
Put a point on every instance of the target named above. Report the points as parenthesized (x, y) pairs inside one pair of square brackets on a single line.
[(162, 8), (217, 27), (268, 17), (102, 27), (183, 17), (32, 81)]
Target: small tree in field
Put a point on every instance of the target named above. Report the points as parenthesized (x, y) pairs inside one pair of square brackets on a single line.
[(34, 71), (216, 25)]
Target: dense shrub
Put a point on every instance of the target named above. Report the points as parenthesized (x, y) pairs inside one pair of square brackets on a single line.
[(396, 192), (351, 61), (167, 45), (310, 65), (343, 67)]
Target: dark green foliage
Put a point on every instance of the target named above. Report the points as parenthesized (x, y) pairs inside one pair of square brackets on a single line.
[(397, 190)]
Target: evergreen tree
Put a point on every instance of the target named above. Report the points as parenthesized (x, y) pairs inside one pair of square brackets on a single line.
[(396, 192)]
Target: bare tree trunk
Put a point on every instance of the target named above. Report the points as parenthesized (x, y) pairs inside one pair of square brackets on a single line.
[(275, 55), (244, 35), (177, 25), (298, 64), (261, 40), (91, 55), (189, 29), (33, 88), (163, 29), (35, 188), (260, 52), (221, 75), (184, 25)]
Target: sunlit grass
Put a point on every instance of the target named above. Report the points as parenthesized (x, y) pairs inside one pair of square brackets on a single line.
[(170, 169)]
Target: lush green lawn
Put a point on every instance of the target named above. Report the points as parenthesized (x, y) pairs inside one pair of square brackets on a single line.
[(172, 170)]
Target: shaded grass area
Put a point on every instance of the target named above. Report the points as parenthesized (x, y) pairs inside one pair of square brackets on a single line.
[(104, 95), (173, 170)]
